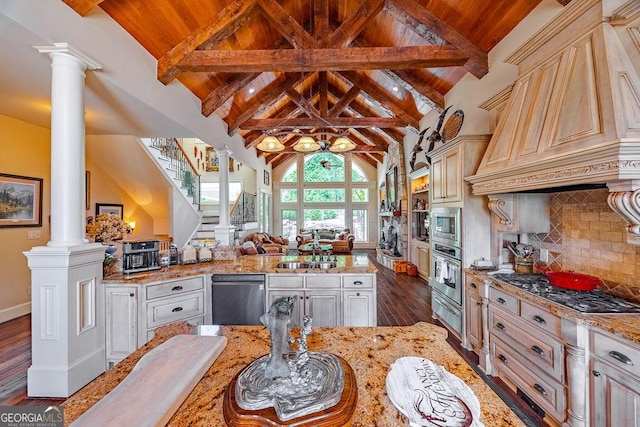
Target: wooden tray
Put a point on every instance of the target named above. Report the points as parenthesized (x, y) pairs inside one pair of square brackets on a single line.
[(338, 415)]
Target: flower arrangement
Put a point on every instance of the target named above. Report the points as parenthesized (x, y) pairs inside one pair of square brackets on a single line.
[(107, 228)]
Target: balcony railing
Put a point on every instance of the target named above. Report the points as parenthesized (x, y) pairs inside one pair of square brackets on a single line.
[(185, 172)]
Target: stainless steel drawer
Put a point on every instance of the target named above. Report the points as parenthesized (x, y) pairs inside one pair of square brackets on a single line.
[(170, 310), (175, 287), (504, 300), (621, 353)]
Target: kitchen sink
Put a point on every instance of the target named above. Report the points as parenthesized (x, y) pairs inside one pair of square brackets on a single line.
[(303, 265)]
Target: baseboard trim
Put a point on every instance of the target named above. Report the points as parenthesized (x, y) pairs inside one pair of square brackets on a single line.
[(15, 312)]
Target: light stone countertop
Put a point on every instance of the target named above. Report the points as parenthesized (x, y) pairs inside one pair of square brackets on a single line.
[(369, 351), (245, 264), (626, 326)]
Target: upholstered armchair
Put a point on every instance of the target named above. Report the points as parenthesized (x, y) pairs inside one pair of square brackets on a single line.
[(263, 243), (340, 238)]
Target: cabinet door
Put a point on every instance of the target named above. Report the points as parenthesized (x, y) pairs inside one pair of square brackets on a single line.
[(616, 397), (437, 177), (473, 321), (122, 322), (423, 262), (323, 307), (298, 306), (358, 308), (452, 176)]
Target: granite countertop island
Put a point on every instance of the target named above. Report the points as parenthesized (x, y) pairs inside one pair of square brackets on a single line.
[(246, 264), (370, 351)]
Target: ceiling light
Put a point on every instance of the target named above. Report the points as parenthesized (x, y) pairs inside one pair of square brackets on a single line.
[(395, 88), (341, 145), (270, 144), (306, 144), (252, 89)]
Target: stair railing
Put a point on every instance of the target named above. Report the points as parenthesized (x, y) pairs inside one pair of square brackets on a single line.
[(171, 150), (244, 209)]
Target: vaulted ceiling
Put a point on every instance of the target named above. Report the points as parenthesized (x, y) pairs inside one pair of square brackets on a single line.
[(369, 69)]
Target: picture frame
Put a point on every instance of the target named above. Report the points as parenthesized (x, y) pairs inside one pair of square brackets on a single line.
[(20, 201), (266, 178), (110, 208), (213, 163)]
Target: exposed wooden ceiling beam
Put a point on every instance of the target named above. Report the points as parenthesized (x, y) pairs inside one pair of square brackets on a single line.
[(219, 95), (394, 104), (313, 122), (478, 63), (322, 90), (292, 60), (425, 89), (225, 23), (351, 27), (286, 25), (344, 101), (82, 7)]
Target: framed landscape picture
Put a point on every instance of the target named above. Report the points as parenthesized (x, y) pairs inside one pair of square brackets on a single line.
[(20, 201), (109, 208)]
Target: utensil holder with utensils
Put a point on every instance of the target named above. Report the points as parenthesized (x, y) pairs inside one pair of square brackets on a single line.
[(524, 265)]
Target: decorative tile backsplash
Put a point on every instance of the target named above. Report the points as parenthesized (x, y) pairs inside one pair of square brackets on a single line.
[(586, 236)]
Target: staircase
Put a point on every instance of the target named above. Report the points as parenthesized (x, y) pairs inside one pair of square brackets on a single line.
[(171, 158)]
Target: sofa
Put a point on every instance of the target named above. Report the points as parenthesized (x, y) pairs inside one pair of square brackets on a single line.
[(263, 244), (340, 238)]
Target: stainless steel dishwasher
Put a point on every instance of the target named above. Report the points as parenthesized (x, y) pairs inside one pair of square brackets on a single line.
[(237, 299)]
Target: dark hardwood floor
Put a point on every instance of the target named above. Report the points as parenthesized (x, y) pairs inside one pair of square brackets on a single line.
[(402, 301)]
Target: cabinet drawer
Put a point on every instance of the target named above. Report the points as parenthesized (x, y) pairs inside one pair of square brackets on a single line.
[(540, 349), (174, 287), (504, 300), (354, 281), (173, 309), (547, 393), (324, 281), (618, 352), (286, 282), (194, 321), (541, 318)]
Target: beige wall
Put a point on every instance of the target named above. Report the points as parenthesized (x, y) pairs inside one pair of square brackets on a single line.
[(26, 152)]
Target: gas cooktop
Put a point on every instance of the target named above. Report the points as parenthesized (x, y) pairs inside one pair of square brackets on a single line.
[(587, 302)]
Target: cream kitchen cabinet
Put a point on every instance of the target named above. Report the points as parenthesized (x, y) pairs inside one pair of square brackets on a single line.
[(419, 255), (615, 381), (446, 170), (527, 351), (134, 311), (330, 299), (473, 314)]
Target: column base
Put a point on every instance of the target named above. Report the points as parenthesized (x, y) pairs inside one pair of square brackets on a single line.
[(224, 234)]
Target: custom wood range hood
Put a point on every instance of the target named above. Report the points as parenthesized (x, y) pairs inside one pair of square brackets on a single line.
[(573, 114)]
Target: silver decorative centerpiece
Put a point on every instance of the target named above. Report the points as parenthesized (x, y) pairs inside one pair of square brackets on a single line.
[(294, 384)]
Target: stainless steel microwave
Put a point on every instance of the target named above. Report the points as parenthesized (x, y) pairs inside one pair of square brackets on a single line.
[(445, 223)]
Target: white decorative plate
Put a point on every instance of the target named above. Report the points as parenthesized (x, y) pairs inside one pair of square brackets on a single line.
[(430, 396)]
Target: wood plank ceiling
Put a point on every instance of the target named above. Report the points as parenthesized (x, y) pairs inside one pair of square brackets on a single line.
[(369, 69)]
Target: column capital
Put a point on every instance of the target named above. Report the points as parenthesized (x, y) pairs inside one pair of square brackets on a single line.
[(65, 48)]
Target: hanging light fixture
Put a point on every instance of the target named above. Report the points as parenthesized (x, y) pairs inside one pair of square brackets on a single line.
[(306, 144), (342, 144), (270, 144)]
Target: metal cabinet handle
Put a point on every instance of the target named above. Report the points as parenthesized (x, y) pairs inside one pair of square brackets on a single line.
[(176, 288), (538, 350), (540, 389), (595, 373), (503, 358), (501, 300), (620, 358), (132, 294), (473, 285), (539, 319), (501, 326), (357, 294), (175, 310), (357, 283)]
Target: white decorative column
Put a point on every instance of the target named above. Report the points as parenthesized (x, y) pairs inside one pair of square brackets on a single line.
[(224, 230), (67, 306)]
